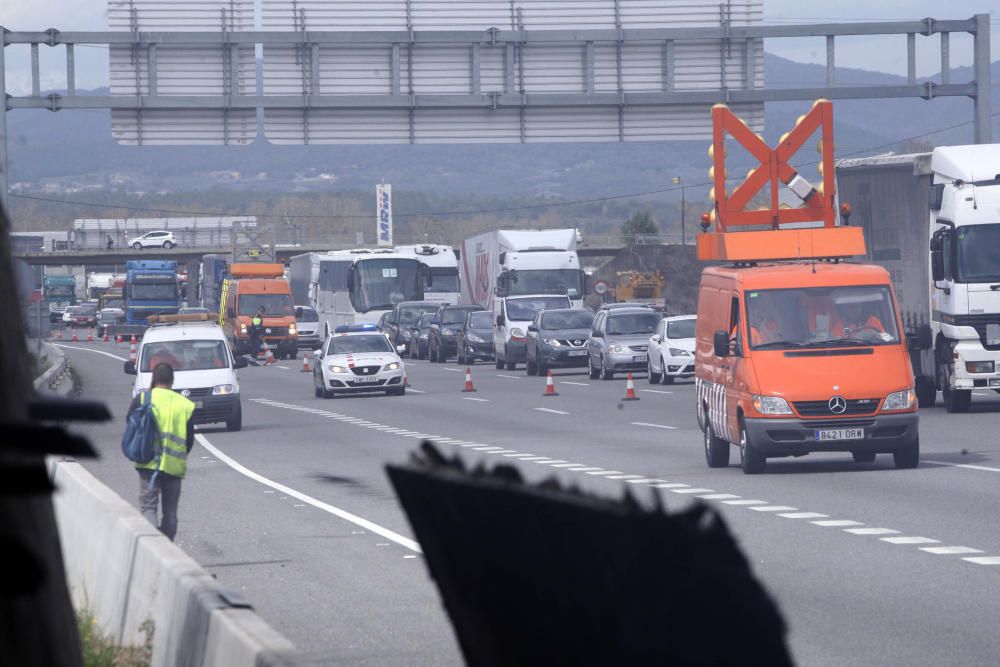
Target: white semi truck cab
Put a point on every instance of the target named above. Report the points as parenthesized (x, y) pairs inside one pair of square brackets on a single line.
[(965, 270)]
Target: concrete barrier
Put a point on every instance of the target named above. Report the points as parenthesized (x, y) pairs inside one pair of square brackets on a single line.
[(126, 572), (57, 367)]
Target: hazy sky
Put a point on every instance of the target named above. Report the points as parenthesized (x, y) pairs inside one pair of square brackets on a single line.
[(883, 54)]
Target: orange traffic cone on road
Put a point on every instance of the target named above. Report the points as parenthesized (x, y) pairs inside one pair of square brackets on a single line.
[(268, 355), (133, 355), (630, 390), (118, 339), (550, 387), (75, 338), (90, 335), (468, 380), (305, 361), (107, 337)]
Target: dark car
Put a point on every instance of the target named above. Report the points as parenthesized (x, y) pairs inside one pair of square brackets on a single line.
[(444, 328), (475, 339), (84, 316), (419, 333), (558, 339), (404, 317)]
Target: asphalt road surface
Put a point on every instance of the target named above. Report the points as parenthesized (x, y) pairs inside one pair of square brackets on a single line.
[(870, 565)]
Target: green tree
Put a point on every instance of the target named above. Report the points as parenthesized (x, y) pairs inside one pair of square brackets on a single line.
[(639, 224)]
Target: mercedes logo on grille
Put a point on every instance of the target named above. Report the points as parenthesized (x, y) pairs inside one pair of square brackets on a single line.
[(268, 330), (837, 405)]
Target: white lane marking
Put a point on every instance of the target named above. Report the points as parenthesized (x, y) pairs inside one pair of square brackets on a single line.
[(772, 508), (550, 410), (318, 504), (537, 459), (585, 469), (644, 480), (745, 501), (804, 515), (564, 464), (453, 370), (477, 400), (487, 448), (909, 540), (548, 462), (575, 384), (871, 531), (503, 451), (87, 349), (656, 391), (949, 551), (663, 426), (984, 560), (693, 490), (286, 368), (509, 377), (603, 473), (415, 391), (520, 457), (838, 523), (670, 485), (624, 477), (970, 466), (718, 496)]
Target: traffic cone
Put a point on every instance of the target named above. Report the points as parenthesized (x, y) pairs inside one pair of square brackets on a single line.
[(305, 361), (468, 380), (268, 355), (406, 379), (118, 339), (630, 390), (75, 338), (107, 338), (550, 387), (133, 355), (90, 335)]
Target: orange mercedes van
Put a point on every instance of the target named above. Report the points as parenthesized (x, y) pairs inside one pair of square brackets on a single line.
[(799, 357), (251, 286)]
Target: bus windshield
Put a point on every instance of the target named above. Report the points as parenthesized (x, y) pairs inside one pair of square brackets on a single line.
[(382, 283)]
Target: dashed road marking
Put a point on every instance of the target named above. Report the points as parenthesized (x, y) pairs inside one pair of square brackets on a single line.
[(772, 508), (694, 490), (909, 540), (564, 464), (415, 391), (663, 426), (575, 384), (984, 560), (477, 400), (656, 391), (718, 496), (604, 473), (745, 501), (509, 377), (454, 370), (585, 469), (550, 410), (803, 515), (969, 466), (670, 485), (625, 477), (644, 480), (950, 551), (871, 531), (838, 523)]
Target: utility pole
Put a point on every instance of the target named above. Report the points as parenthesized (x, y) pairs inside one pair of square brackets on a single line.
[(677, 180)]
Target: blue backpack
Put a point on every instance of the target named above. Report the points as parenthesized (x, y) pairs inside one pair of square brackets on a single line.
[(142, 442)]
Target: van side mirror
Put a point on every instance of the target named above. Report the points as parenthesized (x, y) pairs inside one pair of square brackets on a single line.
[(937, 265), (500, 320), (130, 368), (240, 362), (720, 343)]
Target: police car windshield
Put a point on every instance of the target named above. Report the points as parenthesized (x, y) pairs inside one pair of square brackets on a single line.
[(184, 355), (358, 344)]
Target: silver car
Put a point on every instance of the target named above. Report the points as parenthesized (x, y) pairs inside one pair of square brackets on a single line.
[(619, 341)]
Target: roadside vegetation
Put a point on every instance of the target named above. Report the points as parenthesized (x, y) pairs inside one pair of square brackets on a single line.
[(100, 650)]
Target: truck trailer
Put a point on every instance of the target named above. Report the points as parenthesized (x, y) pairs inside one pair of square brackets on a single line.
[(931, 221)]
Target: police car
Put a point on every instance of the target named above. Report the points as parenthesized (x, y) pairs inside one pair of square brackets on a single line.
[(355, 359)]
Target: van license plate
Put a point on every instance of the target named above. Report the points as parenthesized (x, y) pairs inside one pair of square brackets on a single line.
[(840, 434), (197, 404), (636, 358)]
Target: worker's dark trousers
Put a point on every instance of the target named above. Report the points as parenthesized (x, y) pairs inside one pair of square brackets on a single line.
[(166, 487)]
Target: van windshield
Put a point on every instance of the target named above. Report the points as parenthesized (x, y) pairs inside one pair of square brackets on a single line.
[(185, 355), (821, 317), (275, 305)]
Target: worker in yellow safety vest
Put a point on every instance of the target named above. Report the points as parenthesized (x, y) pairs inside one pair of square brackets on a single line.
[(162, 476)]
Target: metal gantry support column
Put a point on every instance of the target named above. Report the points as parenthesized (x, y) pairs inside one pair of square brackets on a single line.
[(981, 65), (3, 124)]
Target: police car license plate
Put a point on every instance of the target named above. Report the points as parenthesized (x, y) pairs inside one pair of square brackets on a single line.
[(639, 357), (371, 378), (840, 434)]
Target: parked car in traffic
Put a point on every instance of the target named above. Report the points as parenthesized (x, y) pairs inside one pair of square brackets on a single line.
[(475, 339), (402, 319), (107, 319), (619, 341), (671, 350), (84, 316), (558, 339), (307, 322), (155, 239), (419, 334), (357, 358), (444, 329), (624, 304)]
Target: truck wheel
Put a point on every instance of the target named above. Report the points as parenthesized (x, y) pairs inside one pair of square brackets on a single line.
[(751, 460), (716, 449), (909, 456), (956, 400), (654, 378), (236, 423), (926, 392)]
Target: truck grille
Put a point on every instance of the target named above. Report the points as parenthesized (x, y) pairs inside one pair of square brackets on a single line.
[(979, 323), (855, 406)]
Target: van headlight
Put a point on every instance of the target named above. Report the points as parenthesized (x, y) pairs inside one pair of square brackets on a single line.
[(292, 331), (222, 390), (516, 333), (243, 328), (771, 405), (337, 369), (394, 366), (899, 400)]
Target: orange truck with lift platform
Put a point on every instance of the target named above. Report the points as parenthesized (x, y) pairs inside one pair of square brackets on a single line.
[(798, 349), (248, 287)]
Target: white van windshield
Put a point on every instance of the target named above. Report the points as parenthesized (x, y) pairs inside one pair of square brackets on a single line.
[(184, 355), (821, 317)]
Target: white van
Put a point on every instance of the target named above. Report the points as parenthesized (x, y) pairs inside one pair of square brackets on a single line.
[(203, 363)]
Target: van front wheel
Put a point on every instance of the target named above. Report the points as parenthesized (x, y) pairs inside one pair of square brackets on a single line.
[(909, 456), (751, 460)]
